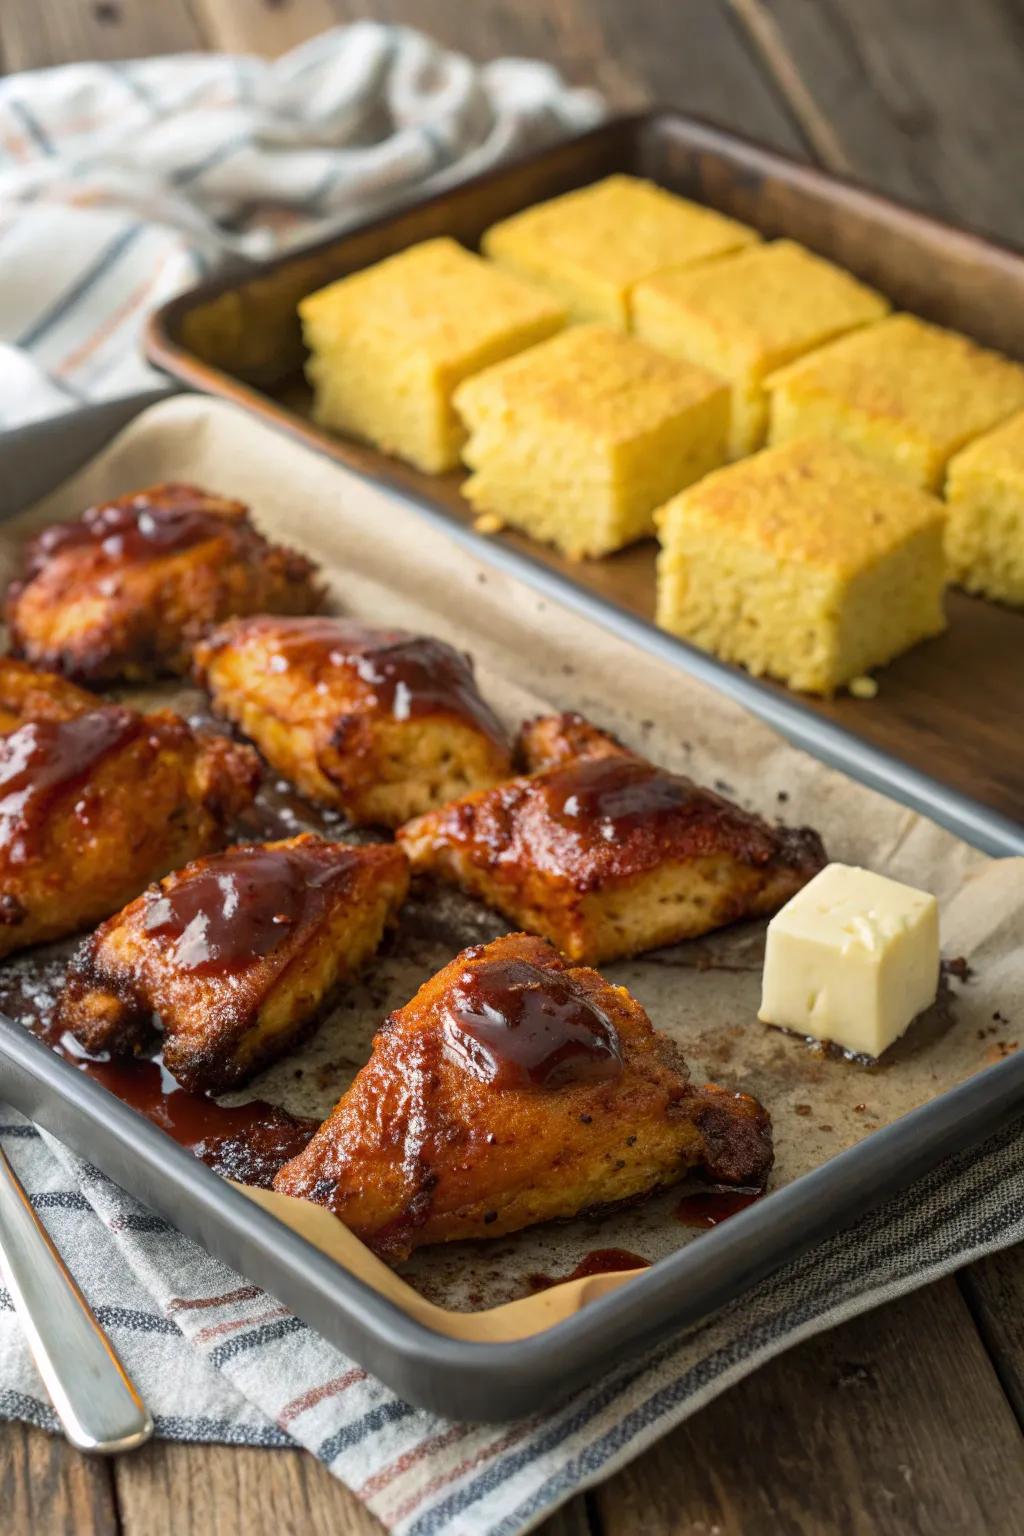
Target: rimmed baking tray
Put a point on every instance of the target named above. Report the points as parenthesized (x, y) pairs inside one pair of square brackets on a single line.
[(418, 1355), (238, 337)]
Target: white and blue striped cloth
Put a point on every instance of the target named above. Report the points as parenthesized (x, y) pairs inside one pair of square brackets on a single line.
[(121, 184), (217, 1359)]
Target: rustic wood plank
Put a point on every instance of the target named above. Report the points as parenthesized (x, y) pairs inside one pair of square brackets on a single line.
[(268, 27), (924, 97), (49, 1489), (893, 1422), (994, 1291), (169, 1489), (694, 56), (34, 33)]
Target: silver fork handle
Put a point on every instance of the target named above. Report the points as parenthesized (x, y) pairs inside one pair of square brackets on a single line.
[(92, 1394)]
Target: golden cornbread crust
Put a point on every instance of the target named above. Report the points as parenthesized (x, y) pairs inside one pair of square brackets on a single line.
[(905, 393), (985, 499), (804, 562), (747, 314), (390, 343), (590, 246), (579, 439)]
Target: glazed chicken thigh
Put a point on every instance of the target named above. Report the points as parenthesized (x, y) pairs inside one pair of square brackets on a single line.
[(380, 723), (235, 955), (605, 854), (125, 591), (515, 1088)]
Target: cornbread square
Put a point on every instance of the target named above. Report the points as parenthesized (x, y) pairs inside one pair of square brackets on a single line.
[(748, 314), (985, 501), (805, 562), (578, 440), (592, 245), (906, 393), (389, 345)]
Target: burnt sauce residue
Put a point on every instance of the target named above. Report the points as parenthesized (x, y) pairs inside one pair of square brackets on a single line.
[(226, 917), (46, 757), (600, 1261), (709, 1208), (517, 1026), (247, 1142)]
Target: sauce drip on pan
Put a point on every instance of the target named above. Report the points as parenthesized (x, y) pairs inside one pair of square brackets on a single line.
[(515, 1025), (242, 906), (600, 1261), (409, 675), (45, 757), (708, 1208), (616, 794), (137, 528), (246, 1142)]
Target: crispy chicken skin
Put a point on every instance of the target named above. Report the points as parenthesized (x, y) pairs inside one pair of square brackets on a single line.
[(27, 694), (605, 854), (95, 806), (125, 591), (236, 955), (516, 1089), (378, 722)]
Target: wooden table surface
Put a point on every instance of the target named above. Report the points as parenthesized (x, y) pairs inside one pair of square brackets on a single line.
[(908, 1419)]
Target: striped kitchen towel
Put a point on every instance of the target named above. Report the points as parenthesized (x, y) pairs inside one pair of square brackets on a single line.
[(121, 184), (218, 1359)]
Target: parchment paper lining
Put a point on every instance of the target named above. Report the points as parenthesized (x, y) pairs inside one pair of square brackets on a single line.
[(387, 565)]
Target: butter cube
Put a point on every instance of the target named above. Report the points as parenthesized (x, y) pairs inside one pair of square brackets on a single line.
[(851, 959)]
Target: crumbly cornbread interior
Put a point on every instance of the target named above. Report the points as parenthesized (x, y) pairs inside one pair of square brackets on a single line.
[(985, 531), (389, 344), (590, 246), (804, 562), (749, 313), (905, 393), (579, 439)]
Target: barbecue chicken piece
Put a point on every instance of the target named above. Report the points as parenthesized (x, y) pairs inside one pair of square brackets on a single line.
[(27, 694), (515, 1089), (94, 807), (605, 854), (124, 591), (236, 955), (378, 722)]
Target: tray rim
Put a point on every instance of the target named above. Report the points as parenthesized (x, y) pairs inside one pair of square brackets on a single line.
[(457, 1377), (543, 1369), (992, 830)]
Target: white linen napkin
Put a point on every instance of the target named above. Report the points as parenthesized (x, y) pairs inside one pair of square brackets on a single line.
[(121, 184)]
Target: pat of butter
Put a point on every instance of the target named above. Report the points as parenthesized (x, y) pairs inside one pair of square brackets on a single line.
[(851, 959)]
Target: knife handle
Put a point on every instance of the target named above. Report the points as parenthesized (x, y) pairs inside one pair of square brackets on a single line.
[(93, 1396)]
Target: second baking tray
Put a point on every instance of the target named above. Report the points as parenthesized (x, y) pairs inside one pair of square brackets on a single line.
[(942, 734), (431, 1355)]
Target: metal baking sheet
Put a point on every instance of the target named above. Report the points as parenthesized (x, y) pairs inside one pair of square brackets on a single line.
[(452, 1375), (238, 337)]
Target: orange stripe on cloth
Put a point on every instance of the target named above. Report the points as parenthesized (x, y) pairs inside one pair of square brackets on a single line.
[(332, 1388), (232, 1325), (468, 1464), (135, 300), (185, 1304)]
